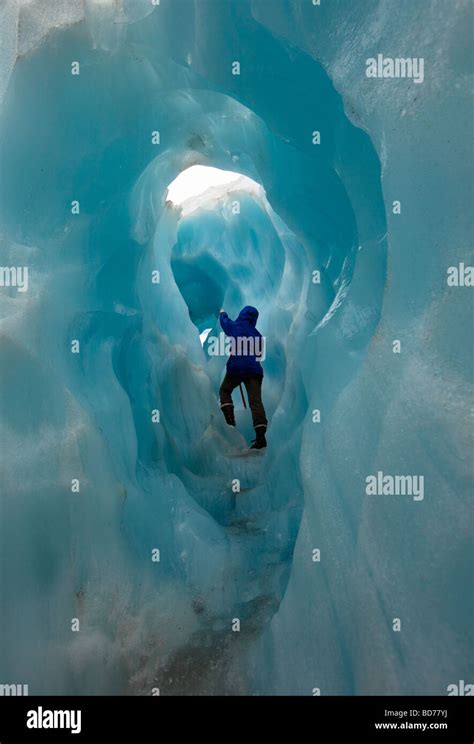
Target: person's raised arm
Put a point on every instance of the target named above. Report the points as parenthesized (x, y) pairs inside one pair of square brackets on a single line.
[(226, 323)]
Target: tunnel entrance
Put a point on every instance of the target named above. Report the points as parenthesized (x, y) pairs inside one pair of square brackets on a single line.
[(202, 276), (224, 222)]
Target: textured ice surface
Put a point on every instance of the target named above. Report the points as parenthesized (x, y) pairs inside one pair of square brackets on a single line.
[(144, 486)]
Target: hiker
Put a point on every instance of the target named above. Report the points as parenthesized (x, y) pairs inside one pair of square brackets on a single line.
[(243, 366)]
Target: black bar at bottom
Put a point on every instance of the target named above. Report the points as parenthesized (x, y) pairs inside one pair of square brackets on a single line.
[(71, 719)]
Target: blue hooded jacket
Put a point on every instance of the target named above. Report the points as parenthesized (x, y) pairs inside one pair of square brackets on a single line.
[(243, 328)]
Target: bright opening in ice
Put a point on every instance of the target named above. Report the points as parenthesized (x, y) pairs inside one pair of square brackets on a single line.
[(202, 186), (197, 179)]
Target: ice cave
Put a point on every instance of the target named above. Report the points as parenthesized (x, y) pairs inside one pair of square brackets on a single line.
[(130, 563)]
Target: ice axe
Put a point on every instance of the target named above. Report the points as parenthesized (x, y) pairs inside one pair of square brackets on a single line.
[(242, 394)]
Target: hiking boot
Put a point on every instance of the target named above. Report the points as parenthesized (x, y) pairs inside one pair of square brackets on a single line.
[(260, 442), (228, 412)]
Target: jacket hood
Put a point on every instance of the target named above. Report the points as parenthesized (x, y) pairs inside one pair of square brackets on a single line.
[(249, 314)]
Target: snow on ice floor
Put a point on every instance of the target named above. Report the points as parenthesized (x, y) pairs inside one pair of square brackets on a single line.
[(96, 350)]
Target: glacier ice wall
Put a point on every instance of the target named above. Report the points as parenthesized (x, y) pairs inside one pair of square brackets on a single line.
[(166, 486)]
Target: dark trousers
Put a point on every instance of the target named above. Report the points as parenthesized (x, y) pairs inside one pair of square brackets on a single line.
[(253, 386)]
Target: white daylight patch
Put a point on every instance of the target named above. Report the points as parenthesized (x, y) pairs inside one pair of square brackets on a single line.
[(202, 186)]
